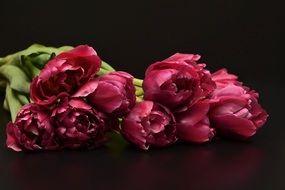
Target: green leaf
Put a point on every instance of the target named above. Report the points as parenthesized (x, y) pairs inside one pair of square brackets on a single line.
[(5, 105), (16, 78), (2, 61), (12, 60), (37, 56), (22, 98), (65, 48), (13, 102), (33, 49), (40, 48), (41, 59), (3, 84), (28, 65)]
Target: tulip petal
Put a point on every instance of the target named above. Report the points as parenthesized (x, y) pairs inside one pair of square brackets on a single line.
[(194, 114), (259, 114), (232, 126), (223, 75), (198, 133), (106, 97), (79, 103), (81, 50), (86, 89), (11, 141), (149, 124), (181, 57), (63, 75)]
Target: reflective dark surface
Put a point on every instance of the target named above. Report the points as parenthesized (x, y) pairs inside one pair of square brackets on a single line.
[(244, 36)]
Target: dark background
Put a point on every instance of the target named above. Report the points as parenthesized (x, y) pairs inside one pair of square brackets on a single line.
[(245, 36)]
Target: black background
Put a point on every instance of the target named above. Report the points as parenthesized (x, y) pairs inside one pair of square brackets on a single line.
[(244, 36)]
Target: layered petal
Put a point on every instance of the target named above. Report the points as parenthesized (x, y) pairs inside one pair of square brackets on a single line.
[(235, 112), (78, 125), (113, 93), (233, 127), (32, 130), (178, 81), (63, 75), (149, 124), (193, 124), (222, 78)]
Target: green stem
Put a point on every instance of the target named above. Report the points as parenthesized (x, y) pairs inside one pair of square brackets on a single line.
[(138, 82), (106, 66), (102, 72), (139, 99), (139, 91)]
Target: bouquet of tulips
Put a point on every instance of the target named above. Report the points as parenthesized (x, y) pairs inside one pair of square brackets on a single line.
[(69, 98)]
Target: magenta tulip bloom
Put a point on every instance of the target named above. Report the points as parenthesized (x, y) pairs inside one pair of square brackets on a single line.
[(78, 125), (193, 124), (235, 112), (64, 74), (32, 130), (222, 78), (149, 124), (177, 81), (113, 93)]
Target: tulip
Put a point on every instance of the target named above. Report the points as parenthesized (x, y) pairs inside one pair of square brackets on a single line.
[(177, 81), (235, 112), (32, 130), (149, 124), (222, 78), (112, 93), (64, 74), (78, 125), (193, 124)]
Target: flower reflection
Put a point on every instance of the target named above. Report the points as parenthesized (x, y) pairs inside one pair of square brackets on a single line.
[(223, 166), (204, 167)]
